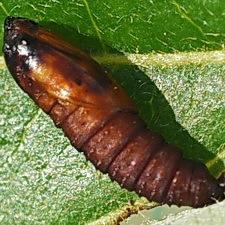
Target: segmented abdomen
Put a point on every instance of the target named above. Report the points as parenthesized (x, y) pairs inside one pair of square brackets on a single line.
[(137, 158)]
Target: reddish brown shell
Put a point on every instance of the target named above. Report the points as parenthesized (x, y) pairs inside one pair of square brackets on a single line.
[(100, 119)]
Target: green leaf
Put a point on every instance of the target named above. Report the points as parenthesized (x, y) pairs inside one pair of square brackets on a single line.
[(180, 94)]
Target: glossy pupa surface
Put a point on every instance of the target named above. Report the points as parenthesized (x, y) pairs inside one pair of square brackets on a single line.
[(100, 119)]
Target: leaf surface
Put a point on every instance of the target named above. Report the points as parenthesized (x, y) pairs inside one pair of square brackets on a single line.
[(172, 66)]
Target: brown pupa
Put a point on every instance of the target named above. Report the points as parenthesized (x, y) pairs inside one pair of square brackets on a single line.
[(101, 120)]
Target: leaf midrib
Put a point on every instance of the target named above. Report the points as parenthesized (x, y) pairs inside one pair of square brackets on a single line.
[(159, 59)]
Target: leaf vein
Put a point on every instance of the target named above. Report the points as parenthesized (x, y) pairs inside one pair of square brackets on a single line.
[(4, 9), (26, 127), (184, 15), (97, 30)]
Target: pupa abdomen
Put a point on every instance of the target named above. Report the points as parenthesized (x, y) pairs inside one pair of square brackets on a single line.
[(101, 120)]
